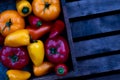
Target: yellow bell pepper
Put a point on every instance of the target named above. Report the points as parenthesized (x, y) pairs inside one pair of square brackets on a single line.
[(36, 52), (18, 38), (18, 75), (24, 7)]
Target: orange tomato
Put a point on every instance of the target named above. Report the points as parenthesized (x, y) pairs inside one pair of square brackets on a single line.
[(46, 9), (10, 21)]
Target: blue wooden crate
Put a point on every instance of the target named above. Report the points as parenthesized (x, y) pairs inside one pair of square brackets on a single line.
[(93, 32), (93, 28)]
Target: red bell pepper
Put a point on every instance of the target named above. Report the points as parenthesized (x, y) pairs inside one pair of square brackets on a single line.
[(39, 32), (57, 50), (14, 58), (61, 69), (34, 21), (57, 29)]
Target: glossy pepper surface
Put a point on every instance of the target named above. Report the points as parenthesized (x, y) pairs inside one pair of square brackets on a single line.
[(34, 21), (18, 38), (10, 21), (61, 69), (18, 75), (24, 7), (57, 49), (14, 58), (36, 52), (43, 69), (39, 32), (46, 9), (57, 29)]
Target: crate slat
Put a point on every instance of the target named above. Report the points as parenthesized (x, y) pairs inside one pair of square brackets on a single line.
[(94, 26), (87, 7), (99, 65), (54, 77), (108, 77), (97, 46)]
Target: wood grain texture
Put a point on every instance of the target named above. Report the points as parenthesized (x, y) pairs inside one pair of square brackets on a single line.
[(88, 7), (99, 65), (96, 22), (97, 46), (95, 26)]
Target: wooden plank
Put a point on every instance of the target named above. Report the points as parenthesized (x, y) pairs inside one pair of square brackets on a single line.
[(87, 7), (95, 26), (97, 46), (108, 77), (99, 65), (54, 77)]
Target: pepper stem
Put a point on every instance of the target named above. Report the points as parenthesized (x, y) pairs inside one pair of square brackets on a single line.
[(25, 10), (39, 23), (8, 24), (47, 5), (53, 50), (31, 40), (60, 70), (14, 58), (35, 41)]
